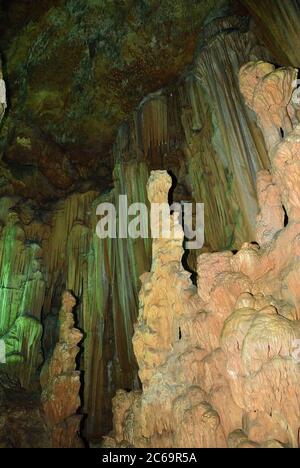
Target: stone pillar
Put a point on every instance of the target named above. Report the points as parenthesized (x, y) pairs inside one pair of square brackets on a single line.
[(61, 382)]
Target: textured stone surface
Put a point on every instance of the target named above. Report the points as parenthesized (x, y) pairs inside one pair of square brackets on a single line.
[(220, 365), (202, 131), (61, 382), (270, 219), (22, 424), (268, 92), (22, 293), (76, 69), (278, 25)]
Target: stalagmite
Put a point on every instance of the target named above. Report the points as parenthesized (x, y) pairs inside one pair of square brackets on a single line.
[(61, 382), (270, 218), (268, 92), (220, 366), (162, 345)]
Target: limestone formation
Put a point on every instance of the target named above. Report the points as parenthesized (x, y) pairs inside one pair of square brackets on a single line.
[(202, 131), (61, 382), (268, 92), (270, 218), (220, 365), (22, 291), (272, 99)]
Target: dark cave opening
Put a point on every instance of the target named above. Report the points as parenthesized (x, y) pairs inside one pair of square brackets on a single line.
[(286, 218), (80, 368), (187, 253)]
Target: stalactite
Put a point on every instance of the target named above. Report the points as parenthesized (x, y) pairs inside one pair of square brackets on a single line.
[(278, 25), (104, 275), (22, 296), (202, 131), (223, 145)]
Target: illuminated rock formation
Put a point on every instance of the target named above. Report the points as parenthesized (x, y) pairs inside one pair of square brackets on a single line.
[(104, 274), (22, 292), (220, 365), (268, 92), (270, 218), (158, 341), (61, 382)]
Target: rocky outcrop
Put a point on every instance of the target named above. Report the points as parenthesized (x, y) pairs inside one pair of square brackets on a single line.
[(61, 382), (268, 92), (220, 365)]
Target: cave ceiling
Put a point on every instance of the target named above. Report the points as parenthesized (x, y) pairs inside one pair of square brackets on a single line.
[(75, 69)]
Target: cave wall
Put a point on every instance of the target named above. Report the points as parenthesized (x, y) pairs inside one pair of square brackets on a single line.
[(278, 26)]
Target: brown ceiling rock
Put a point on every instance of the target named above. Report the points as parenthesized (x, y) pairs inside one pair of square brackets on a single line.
[(77, 68)]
